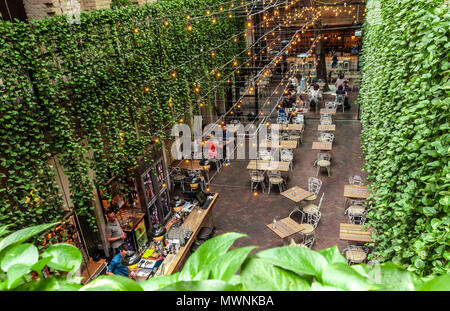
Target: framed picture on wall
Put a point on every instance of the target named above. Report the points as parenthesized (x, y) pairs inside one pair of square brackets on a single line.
[(161, 175), (149, 190)]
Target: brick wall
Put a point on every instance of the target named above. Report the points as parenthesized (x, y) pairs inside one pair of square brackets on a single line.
[(37, 9)]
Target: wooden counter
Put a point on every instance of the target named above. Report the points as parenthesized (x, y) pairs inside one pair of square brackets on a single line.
[(194, 222)]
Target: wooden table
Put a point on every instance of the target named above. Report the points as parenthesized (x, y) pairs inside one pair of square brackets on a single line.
[(358, 192), (266, 165), (296, 194), (285, 227), (327, 111), (283, 144), (188, 165), (287, 127), (326, 128), (194, 222), (317, 145), (355, 233)]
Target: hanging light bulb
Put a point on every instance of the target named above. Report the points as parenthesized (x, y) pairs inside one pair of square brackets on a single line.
[(166, 23)]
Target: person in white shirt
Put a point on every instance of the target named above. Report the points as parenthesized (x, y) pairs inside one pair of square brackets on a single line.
[(294, 81), (314, 95)]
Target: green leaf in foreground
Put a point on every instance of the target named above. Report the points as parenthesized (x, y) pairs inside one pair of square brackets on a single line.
[(65, 257), (23, 235), (202, 285), (208, 252), (26, 254), (296, 259), (440, 283), (157, 282), (260, 275), (342, 276), (112, 283)]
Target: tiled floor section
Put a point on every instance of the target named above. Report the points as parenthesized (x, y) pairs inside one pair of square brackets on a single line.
[(238, 210)]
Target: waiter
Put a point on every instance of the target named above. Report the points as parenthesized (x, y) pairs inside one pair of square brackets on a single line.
[(114, 233)]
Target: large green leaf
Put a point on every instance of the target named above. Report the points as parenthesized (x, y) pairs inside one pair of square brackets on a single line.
[(4, 230), (298, 259), (200, 285), (16, 273), (260, 275), (112, 283), (224, 267), (389, 276), (26, 254), (157, 282), (332, 255), (440, 283), (342, 276), (65, 257), (208, 252), (23, 235)]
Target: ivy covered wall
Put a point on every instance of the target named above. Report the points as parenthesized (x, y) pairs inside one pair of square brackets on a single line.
[(406, 120), (108, 87)]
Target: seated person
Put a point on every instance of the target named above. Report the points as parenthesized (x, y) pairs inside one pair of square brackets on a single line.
[(288, 101), (115, 267), (314, 96), (346, 87), (299, 103)]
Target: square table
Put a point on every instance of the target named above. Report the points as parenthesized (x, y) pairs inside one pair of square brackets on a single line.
[(355, 191), (286, 127), (266, 165), (283, 144), (355, 233), (296, 194), (317, 145), (326, 127), (285, 227), (327, 111)]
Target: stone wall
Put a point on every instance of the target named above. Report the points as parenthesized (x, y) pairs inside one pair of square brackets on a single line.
[(37, 9)]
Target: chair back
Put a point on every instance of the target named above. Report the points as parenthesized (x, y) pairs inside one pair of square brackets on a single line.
[(175, 171), (355, 180), (274, 173), (320, 202), (297, 215), (314, 185), (256, 173), (323, 156), (340, 98), (330, 105), (314, 218)]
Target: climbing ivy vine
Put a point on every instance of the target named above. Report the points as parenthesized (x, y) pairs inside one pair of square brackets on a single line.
[(98, 94), (405, 138)]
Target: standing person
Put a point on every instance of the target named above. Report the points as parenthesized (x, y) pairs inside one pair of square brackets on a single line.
[(114, 233), (335, 60), (340, 81), (302, 85), (115, 267), (284, 61)]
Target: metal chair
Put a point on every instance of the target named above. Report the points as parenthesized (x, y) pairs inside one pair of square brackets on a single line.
[(356, 215), (308, 233), (314, 218), (177, 176), (314, 185), (299, 119), (311, 208), (354, 202), (330, 105), (355, 180), (287, 155), (257, 178), (326, 119), (323, 160), (340, 98), (355, 254), (275, 178), (326, 137)]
